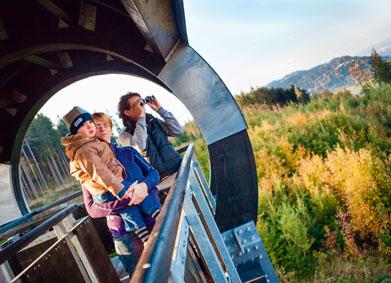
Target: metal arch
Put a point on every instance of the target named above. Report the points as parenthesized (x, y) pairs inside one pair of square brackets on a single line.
[(234, 179), (77, 39), (201, 90), (190, 78)]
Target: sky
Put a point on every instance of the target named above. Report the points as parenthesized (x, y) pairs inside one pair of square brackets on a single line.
[(249, 43)]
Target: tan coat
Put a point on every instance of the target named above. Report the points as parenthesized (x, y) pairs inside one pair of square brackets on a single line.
[(93, 164)]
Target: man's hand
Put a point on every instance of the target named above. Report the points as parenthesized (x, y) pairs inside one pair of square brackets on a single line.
[(139, 111), (140, 192), (129, 193), (154, 104)]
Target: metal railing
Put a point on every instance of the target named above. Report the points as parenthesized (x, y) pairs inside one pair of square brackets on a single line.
[(30, 236), (161, 247), (186, 222), (25, 218)]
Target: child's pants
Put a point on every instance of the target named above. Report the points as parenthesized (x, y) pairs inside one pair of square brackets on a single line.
[(132, 214)]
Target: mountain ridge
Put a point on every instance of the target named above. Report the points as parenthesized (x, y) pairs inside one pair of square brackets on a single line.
[(334, 75)]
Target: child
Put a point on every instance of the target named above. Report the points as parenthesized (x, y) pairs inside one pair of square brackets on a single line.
[(93, 164)]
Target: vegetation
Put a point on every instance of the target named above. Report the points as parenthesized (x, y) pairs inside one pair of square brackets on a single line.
[(324, 172), (44, 169), (273, 97), (381, 69)]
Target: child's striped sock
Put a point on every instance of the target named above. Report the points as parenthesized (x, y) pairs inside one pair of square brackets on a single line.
[(155, 214), (143, 234)]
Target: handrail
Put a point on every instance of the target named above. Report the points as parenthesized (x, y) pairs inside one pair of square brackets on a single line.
[(154, 264), (30, 236), (27, 225), (13, 223), (183, 148)]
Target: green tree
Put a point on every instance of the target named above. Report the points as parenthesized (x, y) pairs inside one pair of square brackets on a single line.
[(61, 128), (381, 70)]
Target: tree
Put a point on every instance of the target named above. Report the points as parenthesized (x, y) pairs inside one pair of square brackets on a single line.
[(358, 74), (61, 128), (381, 70)]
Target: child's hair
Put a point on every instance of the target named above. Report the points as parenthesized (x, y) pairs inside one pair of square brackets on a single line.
[(103, 117)]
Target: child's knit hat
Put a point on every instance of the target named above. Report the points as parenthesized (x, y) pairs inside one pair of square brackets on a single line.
[(75, 118)]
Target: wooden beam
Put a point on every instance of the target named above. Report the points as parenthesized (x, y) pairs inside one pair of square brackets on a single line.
[(87, 17), (43, 62), (57, 11), (8, 98)]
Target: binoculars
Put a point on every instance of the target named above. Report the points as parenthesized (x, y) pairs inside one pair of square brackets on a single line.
[(146, 100)]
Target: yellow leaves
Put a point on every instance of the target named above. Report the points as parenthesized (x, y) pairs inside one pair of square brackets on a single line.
[(298, 119), (345, 174), (270, 170), (313, 175), (352, 175)]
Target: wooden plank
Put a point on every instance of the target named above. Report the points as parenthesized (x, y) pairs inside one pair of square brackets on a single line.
[(95, 252), (43, 62), (57, 11), (55, 265), (87, 17)]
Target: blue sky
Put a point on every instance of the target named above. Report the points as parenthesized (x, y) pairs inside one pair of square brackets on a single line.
[(249, 43), (252, 42)]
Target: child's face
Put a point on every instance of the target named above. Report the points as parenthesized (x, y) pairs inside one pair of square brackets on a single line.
[(88, 129)]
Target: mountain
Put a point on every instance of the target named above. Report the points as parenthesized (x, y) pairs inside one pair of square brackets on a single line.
[(334, 75)]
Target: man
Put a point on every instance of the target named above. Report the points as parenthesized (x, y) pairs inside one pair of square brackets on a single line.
[(149, 134)]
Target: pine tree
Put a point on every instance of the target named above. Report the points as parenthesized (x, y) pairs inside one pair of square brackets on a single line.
[(381, 70)]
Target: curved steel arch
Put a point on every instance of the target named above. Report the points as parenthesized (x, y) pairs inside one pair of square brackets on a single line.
[(145, 38)]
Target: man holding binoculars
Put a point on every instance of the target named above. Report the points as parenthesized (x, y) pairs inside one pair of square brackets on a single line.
[(149, 134)]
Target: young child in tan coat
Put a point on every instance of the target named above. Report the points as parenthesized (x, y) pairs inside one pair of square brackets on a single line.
[(93, 164)]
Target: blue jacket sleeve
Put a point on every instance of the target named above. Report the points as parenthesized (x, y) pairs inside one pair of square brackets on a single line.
[(150, 175)]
